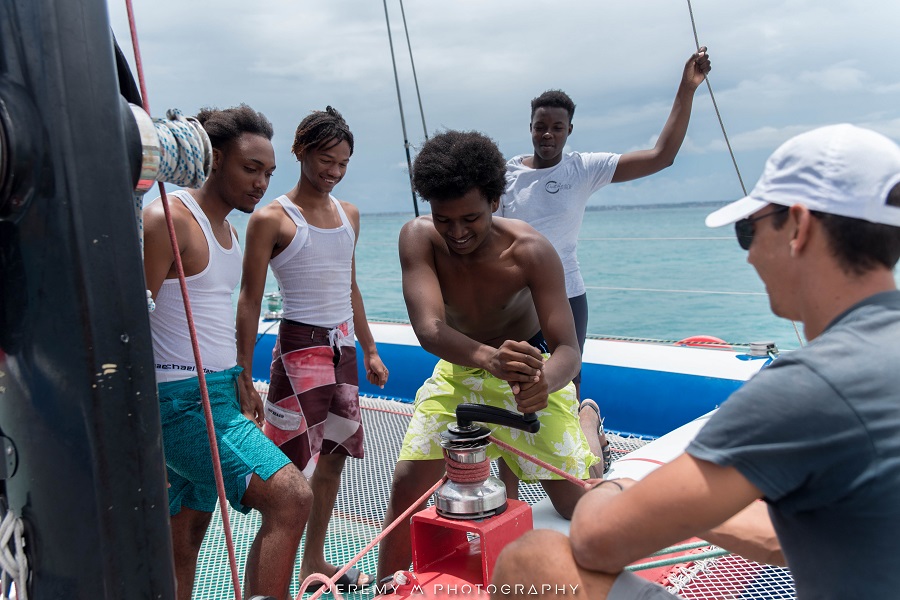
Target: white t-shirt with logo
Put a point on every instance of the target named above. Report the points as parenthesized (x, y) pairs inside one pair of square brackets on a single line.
[(552, 200)]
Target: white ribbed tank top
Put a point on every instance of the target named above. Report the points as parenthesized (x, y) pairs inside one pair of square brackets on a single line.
[(314, 271), (211, 304)]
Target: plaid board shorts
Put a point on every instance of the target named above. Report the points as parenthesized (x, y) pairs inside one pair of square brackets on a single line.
[(313, 400)]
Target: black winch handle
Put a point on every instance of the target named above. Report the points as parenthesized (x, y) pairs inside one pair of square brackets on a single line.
[(467, 413)]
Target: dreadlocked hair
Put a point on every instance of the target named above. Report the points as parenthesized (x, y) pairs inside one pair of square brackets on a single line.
[(321, 128), (226, 125)]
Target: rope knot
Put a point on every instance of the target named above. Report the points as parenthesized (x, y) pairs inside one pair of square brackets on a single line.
[(185, 150)]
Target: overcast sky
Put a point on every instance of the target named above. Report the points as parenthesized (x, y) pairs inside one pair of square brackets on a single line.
[(779, 68)]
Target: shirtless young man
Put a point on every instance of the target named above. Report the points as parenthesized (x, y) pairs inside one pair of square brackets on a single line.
[(487, 296), (308, 237), (257, 475)]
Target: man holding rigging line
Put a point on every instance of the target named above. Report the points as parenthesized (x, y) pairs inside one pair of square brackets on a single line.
[(549, 190)]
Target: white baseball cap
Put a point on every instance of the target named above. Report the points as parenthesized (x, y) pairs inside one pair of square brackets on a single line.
[(839, 169)]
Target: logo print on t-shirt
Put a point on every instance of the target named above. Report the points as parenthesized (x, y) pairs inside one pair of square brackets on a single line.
[(552, 187)]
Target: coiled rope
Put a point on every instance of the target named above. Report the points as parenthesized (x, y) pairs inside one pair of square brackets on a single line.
[(185, 157), (13, 561), (201, 377), (460, 472), (185, 150)]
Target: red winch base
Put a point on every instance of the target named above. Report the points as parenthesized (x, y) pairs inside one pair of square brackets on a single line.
[(441, 544), (447, 562)]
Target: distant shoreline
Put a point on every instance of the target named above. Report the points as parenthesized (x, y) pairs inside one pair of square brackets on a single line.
[(596, 207), (657, 205)]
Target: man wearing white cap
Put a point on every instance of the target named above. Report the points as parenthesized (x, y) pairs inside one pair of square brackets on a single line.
[(815, 436)]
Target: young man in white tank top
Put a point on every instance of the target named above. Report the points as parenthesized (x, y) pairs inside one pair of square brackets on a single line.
[(257, 475), (312, 411)]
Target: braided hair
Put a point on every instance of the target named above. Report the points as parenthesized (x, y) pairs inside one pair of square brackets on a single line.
[(321, 128)]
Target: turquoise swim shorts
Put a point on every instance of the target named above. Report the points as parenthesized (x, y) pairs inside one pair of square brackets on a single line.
[(243, 448)]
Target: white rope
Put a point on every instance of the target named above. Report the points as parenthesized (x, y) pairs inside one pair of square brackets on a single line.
[(185, 150), (185, 158), (13, 562)]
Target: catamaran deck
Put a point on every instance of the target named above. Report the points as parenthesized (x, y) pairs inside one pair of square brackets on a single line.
[(360, 507)]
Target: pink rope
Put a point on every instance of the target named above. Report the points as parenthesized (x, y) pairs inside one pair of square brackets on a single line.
[(541, 463), (467, 472), (201, 377), (137, 55), (330, 582)]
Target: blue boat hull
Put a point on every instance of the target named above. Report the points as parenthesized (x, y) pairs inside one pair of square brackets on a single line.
[(643, 389)]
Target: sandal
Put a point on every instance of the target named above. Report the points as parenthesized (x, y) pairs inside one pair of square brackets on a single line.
[(348, 582), (604, 443)]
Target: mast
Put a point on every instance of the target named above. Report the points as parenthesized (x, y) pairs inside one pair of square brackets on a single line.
[(78, 411), (413, 65), (400, 104)]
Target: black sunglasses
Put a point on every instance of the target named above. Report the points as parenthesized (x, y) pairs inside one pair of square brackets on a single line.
[(745, 230)]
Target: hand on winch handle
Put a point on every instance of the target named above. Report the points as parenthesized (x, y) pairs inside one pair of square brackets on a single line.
[(516, 362)]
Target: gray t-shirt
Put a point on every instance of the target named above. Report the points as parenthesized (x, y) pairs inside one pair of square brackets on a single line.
[(552, 200), (818, 432)]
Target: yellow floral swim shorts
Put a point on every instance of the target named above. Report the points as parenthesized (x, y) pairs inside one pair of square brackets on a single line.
[(560, 441)]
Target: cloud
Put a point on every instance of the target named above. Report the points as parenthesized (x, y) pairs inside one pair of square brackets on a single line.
[(842, 77), (779, 67)]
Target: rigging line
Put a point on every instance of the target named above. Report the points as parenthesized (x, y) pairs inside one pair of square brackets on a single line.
[(567, 476), (137, 55), (412, 62), (400, 104), (711, 292), (195, 344), (716, 106), (727, 143), (654, 239)]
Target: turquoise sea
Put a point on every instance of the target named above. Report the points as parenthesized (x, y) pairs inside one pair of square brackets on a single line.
[(651, 272)]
